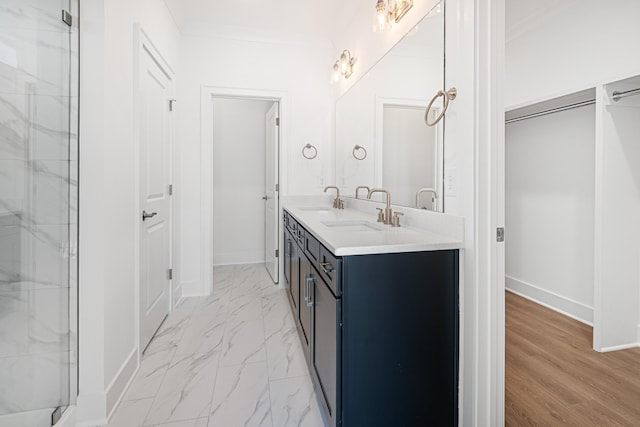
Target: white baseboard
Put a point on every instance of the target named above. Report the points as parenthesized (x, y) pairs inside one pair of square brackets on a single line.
[(121, 382), (192, 289), (238, 263), (176, 294), (91, 410), (566, 306), (68, 418), (620, 347), (238, 258)]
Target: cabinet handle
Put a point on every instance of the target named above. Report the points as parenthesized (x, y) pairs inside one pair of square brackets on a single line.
[(310, 282), (327, 267), (288, 252), (306, 287)]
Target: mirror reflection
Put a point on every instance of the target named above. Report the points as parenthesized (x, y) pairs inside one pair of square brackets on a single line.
[(381, 136)]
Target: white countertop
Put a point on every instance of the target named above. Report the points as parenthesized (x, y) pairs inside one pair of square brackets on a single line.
[(366, 236)]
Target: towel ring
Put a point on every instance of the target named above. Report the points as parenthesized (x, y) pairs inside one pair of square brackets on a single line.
[(359, 147), (447, 96), (309, 147)]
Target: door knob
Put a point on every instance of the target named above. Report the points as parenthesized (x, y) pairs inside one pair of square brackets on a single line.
[(146, 215), (265, 198)]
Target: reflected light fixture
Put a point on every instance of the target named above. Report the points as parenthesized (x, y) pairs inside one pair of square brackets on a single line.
[(343, 66), (389, 12)]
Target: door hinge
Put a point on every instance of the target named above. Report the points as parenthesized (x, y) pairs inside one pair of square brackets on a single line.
[(171, 102), (277, 187), (170, 274), (277, 121), (67, 18), (171, 189), (500, 234), (277, 253)]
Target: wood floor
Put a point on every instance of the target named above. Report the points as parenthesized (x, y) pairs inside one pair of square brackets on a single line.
[(555, 378)]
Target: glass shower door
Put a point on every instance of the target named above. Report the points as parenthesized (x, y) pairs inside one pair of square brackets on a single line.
[(38, 210)]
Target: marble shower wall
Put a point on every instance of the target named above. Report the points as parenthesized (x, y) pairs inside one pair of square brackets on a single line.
[(38, 205)]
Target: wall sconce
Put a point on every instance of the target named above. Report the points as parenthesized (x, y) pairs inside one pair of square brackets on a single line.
[(390, 11), (344, 65)]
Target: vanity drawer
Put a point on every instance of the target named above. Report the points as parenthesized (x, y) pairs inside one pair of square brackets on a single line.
[(330, 267), (292, 225), (312, 248), (296, 230), (300, 235)]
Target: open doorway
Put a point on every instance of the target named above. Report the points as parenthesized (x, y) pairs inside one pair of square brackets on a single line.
[(245, 208), (554, 375)]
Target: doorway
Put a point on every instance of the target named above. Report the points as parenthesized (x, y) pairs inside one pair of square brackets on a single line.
[(245, 188), (555, 371)]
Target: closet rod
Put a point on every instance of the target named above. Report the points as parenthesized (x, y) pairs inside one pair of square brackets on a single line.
[(617, 96), (551, 111)]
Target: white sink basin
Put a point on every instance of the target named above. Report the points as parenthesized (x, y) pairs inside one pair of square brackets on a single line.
[(355, 225)]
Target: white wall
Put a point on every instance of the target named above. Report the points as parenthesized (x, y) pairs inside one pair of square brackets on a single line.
[(303, 72), (569, 46), (238, 180), (107, 215), (550, 177)]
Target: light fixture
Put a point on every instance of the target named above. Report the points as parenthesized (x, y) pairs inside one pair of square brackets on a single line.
[(343, 66), (389, 12)]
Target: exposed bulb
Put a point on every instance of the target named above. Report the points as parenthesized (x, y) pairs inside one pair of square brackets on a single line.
[(381, 15), (344, 62)]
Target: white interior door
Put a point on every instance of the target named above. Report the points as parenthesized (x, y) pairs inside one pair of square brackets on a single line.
[(271, 211), (155, 134)]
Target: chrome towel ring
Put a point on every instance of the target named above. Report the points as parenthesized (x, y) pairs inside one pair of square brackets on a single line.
[(447, 96), (313, 154), (357, 148)]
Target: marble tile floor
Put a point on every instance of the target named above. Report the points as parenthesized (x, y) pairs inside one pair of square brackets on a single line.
[(232, 359)]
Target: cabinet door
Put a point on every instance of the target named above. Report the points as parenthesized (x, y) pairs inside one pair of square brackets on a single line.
[(326, 348), (294, 289), (287, 259), (306, 281)]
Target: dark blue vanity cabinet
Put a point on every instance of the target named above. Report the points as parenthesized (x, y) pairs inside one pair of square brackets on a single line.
[(380, 331)]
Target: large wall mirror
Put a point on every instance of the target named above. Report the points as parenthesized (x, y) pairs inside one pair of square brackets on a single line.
[(381, 136)]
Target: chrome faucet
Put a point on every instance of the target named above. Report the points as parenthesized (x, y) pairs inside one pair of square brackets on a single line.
[(338, 203), (358, 188), (386, 216), (426, 190)]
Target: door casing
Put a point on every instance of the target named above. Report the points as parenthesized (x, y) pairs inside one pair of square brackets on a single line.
[(208, 93)]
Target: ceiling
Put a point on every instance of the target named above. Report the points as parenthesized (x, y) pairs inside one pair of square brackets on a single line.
[(319, 20)]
